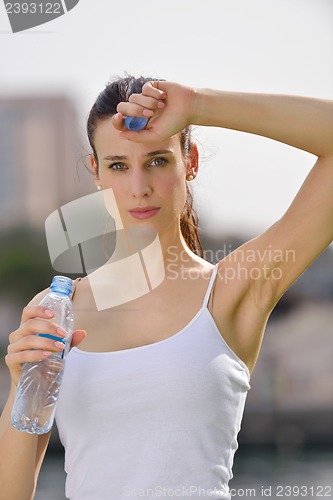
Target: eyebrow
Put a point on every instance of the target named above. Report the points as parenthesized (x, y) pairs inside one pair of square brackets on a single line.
[(148, 155)]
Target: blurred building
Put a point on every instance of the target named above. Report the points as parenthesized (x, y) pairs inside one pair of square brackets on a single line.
[(40, 146), (291, 400), (294, 371)]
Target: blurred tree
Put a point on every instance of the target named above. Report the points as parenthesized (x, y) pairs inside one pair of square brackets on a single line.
[(25, 266)]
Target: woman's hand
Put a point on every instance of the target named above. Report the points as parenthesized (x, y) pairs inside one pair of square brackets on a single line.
[(25, 345), (168, 106)]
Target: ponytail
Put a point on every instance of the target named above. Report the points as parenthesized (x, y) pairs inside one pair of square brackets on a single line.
[(189, 225)]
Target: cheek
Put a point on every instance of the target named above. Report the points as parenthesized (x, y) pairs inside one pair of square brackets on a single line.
[(175, 189), (115, 184), (105, 177)]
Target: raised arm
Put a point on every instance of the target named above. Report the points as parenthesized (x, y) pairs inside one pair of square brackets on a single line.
[(303, 122), (306, 228)]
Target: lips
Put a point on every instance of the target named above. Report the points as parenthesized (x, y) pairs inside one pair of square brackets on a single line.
[(143, 212)]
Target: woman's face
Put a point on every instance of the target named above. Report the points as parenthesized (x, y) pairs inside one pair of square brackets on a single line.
[(142, 175)]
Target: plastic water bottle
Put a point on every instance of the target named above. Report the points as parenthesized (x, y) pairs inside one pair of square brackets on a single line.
[(39, 384)]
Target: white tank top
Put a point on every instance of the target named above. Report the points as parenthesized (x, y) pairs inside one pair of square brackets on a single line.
[(156, 421)]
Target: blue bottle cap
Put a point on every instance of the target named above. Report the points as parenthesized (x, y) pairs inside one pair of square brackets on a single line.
[(135, 122), (61, 284)]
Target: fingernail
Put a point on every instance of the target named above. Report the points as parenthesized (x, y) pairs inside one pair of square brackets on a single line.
[(148, 112), (48, 313), (160, 104), (47, 353), (59, 345), (61, 331)]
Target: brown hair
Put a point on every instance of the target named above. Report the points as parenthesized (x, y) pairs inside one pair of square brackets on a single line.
[(105, 106)]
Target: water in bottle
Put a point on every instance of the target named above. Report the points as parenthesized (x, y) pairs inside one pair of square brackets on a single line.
[(39, 384)]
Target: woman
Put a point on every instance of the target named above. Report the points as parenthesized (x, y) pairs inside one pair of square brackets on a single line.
[(152, 401)]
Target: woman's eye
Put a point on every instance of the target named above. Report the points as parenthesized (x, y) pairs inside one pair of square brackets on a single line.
[(159, 162), (116, 166)]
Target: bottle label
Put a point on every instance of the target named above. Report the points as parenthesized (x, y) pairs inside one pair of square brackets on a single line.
[(53, 337), (59, 339)]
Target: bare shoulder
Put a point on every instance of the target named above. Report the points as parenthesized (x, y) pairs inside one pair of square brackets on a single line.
[(81, 289)]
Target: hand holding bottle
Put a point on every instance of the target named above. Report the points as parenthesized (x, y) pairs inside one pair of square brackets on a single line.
[(39, 384), (168, 106), (26, 346)]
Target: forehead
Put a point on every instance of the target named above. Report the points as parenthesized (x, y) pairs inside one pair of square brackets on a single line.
[(107, 141)]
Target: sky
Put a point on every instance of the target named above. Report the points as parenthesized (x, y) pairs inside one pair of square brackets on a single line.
[(245, 182)]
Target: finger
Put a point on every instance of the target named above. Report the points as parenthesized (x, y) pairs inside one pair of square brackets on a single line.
[(34, 312), (118, 121), (78, 336), (26, 357), (131, 109), (33, 326), (146, 102), (35, 342), (153, 89), (39, 326)]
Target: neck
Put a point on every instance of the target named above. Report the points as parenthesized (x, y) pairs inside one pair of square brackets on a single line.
[(141, 261), (167, 245)]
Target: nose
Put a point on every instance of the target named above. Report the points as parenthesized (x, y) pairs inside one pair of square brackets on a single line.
[(140, 185)]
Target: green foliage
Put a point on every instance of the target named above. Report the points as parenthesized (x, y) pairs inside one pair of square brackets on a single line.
[(25, 266)]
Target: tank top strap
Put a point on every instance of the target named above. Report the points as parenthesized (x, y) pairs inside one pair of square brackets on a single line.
[(210, 284)]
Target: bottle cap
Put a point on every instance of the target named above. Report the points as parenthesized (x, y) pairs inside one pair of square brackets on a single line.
[(135, 122), (62, 284)]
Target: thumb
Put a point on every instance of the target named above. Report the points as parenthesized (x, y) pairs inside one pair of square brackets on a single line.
[(118, 121), (78, 336)]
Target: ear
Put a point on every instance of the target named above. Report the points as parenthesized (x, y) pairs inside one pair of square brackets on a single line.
[(94, 167), (193, 162)]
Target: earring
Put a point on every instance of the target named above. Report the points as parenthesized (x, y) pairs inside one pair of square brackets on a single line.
[(99, 187), (190, 177)]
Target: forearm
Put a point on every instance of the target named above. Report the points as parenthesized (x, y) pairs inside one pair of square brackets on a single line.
[(17, 457), (302, 122)]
